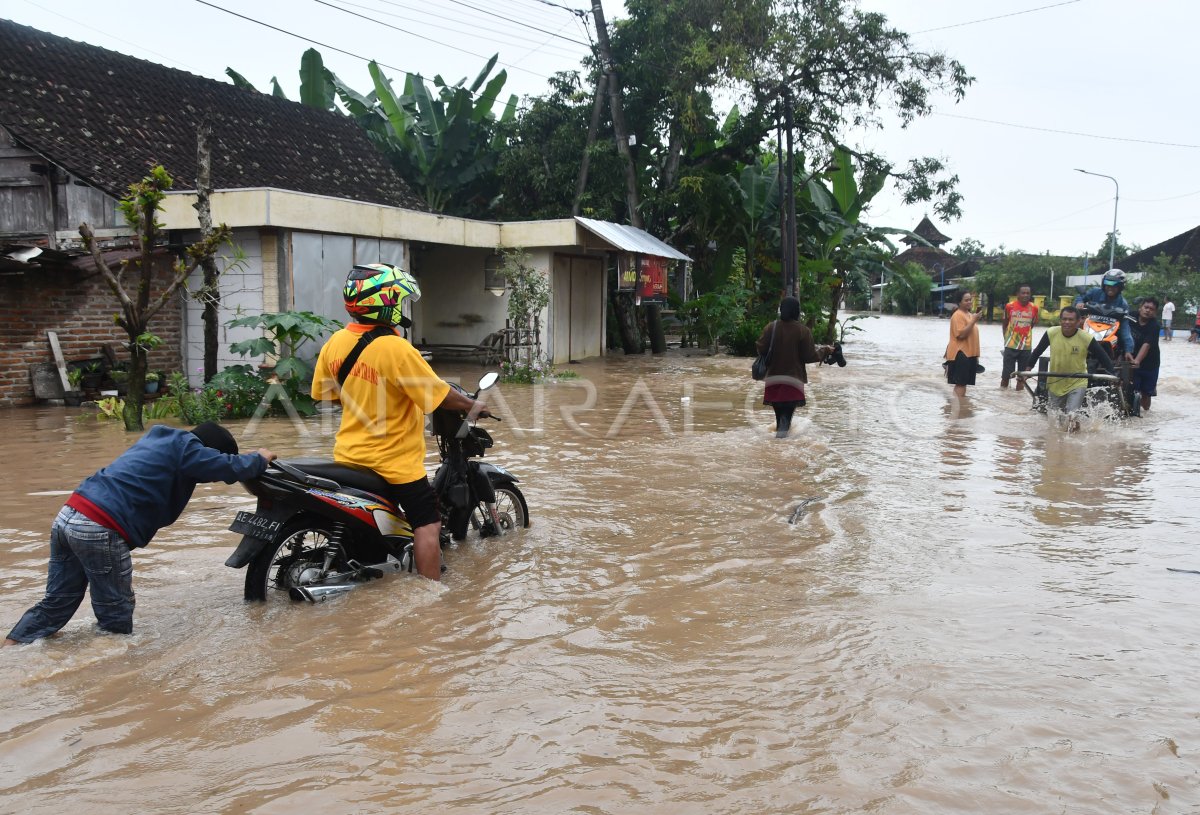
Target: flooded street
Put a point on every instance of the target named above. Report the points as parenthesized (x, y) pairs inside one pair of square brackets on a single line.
[(903, 608)]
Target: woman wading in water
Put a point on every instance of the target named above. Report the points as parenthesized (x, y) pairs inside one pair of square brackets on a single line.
[(791, 345)]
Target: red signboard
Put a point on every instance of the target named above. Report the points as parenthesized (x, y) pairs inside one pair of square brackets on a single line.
[(652, 278)]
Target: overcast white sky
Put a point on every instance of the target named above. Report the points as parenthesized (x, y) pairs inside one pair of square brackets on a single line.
[(1103, 85)]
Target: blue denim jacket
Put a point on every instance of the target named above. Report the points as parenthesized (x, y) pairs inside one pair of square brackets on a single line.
[(147, 486)]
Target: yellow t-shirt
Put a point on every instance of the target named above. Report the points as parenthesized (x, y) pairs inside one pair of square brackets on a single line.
[(384, 402), (1068, 355)]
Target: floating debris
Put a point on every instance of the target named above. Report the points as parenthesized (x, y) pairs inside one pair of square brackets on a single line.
[(799, 511)]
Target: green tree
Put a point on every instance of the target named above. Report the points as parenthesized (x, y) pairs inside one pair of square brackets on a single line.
[(839, 244), (446, 145), (1119, 254), (969, 248), (838, 67), (140, 210), (1000, 275), (537, 166), (1174, 278), (908, 290)]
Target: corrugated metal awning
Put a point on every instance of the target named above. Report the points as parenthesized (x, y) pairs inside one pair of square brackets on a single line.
[(630, 238)]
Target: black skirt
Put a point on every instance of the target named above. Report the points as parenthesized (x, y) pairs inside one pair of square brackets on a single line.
[(961, 370)]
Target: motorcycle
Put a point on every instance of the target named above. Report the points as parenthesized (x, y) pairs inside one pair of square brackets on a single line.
[(1103, 322), (321, 528)]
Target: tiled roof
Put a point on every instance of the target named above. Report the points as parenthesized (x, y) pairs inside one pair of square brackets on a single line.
[(927, 256), (107, 118), (929, 232)]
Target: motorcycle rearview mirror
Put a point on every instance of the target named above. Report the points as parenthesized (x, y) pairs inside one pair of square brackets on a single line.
[(487, 380)]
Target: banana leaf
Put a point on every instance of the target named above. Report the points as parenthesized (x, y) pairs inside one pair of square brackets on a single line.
[(239, 80), (315, 89)]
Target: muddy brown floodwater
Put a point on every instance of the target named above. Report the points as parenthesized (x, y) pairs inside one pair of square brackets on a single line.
[(971, 613)]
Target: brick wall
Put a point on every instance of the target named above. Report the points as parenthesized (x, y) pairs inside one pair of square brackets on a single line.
[(79, 307)]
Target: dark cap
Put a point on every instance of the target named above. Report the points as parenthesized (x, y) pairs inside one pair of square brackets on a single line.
[(218, 438)]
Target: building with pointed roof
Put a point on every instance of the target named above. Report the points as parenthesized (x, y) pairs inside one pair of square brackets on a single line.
[(927, 252)]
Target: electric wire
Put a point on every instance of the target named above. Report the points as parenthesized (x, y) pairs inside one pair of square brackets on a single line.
[(302, 37), (411, 34), (1067, 132), (138, 46), (556, 5), (997, 17), (494, 35), (502, 17)]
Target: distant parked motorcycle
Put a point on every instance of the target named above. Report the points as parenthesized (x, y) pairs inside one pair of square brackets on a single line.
[(322, 528)]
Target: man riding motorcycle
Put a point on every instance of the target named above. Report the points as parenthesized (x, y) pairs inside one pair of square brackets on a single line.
[(1108, 296), (385, 394)]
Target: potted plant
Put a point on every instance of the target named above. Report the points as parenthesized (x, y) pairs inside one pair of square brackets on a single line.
[(120, 379), (93, 376), (74, 377), (151, 382)]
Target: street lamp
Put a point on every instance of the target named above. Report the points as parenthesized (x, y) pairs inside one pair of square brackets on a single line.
[(941, 289), (1112, 245)]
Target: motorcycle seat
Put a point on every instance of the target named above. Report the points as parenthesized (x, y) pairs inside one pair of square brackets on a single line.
[(348, 475)]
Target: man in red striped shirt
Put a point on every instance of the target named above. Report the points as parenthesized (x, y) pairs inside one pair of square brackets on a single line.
[(1020, 317)]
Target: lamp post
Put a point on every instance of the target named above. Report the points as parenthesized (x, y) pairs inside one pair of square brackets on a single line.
[(941, 289), (1112, 245)]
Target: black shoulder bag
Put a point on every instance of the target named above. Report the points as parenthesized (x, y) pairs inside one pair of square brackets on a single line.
[(759, 369), (356, 352)]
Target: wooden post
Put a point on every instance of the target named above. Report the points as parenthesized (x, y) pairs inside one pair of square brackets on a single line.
[(59, 361)]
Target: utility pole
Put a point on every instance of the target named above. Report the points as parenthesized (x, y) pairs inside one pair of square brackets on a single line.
[(789, 191), (784, 248), (617, 110), (593, 127), (658, 342)]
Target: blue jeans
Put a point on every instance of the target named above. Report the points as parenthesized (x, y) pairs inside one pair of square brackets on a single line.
[(82, 554)]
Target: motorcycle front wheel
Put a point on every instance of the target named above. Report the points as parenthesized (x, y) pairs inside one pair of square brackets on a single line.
[(293, 558), (510, 507)]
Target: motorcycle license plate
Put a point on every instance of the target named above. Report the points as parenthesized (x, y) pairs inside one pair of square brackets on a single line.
[(254, 525)]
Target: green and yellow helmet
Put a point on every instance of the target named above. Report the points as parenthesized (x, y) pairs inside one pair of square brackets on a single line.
[(375, 293)]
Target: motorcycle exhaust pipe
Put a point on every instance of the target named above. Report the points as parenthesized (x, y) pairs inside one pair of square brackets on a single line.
[(319, 594)]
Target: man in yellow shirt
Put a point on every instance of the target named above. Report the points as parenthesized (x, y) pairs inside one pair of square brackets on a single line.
[(385, 395), (1069, 351)]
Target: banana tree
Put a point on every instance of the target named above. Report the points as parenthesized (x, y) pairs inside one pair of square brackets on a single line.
[(757, 191), (445, 143), (837, 242)]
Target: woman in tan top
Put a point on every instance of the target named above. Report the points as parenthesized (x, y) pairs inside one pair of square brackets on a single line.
[(962, 352)]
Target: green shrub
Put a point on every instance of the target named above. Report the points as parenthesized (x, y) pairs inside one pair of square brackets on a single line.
[(240, 390), (525, 373), (198, 405), (740, 340)]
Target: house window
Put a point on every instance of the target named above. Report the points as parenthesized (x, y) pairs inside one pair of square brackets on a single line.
[(493, 277)]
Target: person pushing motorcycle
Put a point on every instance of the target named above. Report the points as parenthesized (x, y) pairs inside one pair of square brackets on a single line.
[(1109, 293), (385, 394)]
